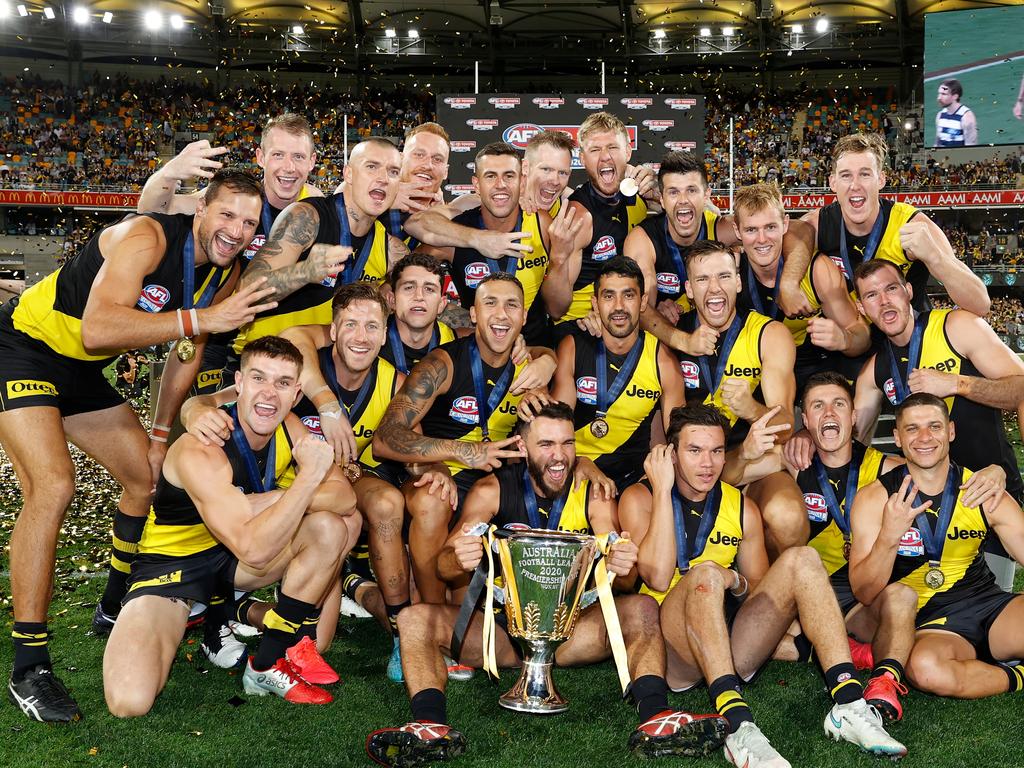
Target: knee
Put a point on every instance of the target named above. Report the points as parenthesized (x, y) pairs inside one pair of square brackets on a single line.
[(804, 562), (53, 495), (387, 506), (128, 701), (413, 620), (931, 674), (898, 599), (641, 612), (428, 509), (327, 532), (706, 578)]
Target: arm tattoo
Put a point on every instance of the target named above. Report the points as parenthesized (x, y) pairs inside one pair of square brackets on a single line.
[(293, 232), (455, 316)]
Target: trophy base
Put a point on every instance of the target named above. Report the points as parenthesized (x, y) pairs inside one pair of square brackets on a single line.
[(534, 692)]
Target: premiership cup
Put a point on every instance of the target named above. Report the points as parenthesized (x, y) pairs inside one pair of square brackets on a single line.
[(544, 575)]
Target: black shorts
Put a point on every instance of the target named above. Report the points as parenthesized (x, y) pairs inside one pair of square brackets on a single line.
[(844, 595), (196, 578), (32, 374), (391, 472), (210, 378), (971, 617)]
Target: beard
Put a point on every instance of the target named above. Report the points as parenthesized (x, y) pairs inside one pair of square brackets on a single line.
[(537, 473)]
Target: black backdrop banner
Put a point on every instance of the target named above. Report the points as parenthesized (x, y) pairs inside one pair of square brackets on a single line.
[(657, 123)]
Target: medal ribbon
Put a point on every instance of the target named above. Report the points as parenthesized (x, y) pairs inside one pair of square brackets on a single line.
[(267, 218), (511, 262), (755, 294), (258, 484), (723, 355), (676, 255), (485, 405), (913, 360), (869, 249), (841, 514), (352, 269), (707, 520), (398, 348), (188, 263), (603, 584), (606, 396), (532, 510), (331, 374), (934, 538)]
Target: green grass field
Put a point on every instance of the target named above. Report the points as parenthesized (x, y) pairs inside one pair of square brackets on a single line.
[(203, 719)]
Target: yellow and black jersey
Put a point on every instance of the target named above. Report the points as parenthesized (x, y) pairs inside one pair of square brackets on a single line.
[(175, 528), (469, 267), (832, 233), (621, 452), (613, 218), (962, 560), (826, 535), (670, 257), (980, 438), (364, 406), (402, 356), (743, 362), (311, 304), (724, 534), (572, 507), (394, 222), (51, 310), (455, 414)]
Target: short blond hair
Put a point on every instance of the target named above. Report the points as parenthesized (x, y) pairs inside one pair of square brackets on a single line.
[(599, 122), (873, 143), (755, 198), (557, 139), (292, 123), (435, 128)]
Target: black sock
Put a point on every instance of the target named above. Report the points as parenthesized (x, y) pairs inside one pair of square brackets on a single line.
[(350, 585), (842, 683), (30, 640), (241, 609), (650, 693), (891, 666), (430, 705), (804, 649), (308, 628), (124, 547), (1015, 674), (393, 611), (729, 702), (217, 614), (281, 625)]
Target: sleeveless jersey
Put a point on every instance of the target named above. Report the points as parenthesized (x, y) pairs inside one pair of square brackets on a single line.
[(394, 222), (962, 562), (613, 219), (672, 280), (454, 414), (980, 437), (723, 540), (629, 418), (512, 507), (311, 304), (380, 391), (826, 537), (51, 310), (174, 527), (469, 267), (442, 334), (950, 127)]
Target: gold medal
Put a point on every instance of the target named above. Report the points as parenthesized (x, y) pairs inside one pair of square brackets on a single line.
[(599, 428), (352, 471), (185, 349), (934, 578), (846, 549)]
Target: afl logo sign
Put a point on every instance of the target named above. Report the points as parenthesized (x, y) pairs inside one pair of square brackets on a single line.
[(254, 246), (153, 298), (681, 146), (668, 282), (636, 103), (890, 391), (517, 135), (911, 544), (312, 423), (476, 272), (660, 125), (503, 102), (548, 102), (680, 103), (463, 146), (604, 248), (592, 102), (479, 124), (464, 410), (586, 390), (460, 102), (817, 509), (691, 374)]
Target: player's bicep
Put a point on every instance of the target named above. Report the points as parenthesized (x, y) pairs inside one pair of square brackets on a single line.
[(295, 229), (563, 386), (430, 377), (778, 356), (751, 556), (131, 251)]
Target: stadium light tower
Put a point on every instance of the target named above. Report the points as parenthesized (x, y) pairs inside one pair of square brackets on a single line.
[(297, 29), (108, 17), (22, 10), (153, 20), (177, 22), (728, 31), (80, 15), (705, 31), (48, 13), (414, 34), (390, 33), (798, 29), (821, 25)]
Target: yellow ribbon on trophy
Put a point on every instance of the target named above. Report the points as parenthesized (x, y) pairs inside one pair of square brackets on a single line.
[(603, 581), (490, 658)]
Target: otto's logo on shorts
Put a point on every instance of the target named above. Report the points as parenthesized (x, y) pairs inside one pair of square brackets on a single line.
[(209, 378), (681, 103), (463, 146), (312, 424), (817, 510), (660, 125), (591, 102), (548, 102), (890, 391), (636, 103), (586, 390), (464, 410), (842, 267), (481, 124), (254, 246), (476, 272), (681, 146), (503, 102), (29, 387), (519, 134), (153, 298), (604, 248), (668, 282), (691, 374), (911, 545), (460, 102)]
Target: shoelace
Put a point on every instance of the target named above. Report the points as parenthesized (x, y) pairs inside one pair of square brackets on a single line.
[(49, 686)]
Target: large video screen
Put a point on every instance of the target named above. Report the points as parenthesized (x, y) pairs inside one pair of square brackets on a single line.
[(974, 77)]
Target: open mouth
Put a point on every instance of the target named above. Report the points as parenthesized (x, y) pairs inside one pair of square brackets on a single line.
[(607, 175), (424, 177), (556, 473), (500, 332), (500, 198), (378, 195), (684, 216), (857, 202), (226, 245), (890, 316), (716, 305), (829, 429), (264, 410), (357, 349), (548, 195), (287, 181)]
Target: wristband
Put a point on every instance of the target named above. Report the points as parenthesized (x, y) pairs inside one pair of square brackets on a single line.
[(159, 433), (181, 325), (740, 579), (330, 411), (194, 314)]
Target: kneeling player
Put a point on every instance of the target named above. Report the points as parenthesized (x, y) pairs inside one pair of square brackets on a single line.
[(220, 521), (722, 623), (538, 494)]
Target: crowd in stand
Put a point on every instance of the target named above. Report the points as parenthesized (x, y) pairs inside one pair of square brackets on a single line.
[(1006, 316)]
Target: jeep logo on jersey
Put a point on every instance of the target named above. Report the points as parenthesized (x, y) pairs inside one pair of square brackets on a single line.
[(890, 391), (479, 124), (548, 102), (312, 423), (911, 544), (817, 510), (660, 125), (592, 102), (668, 282), (153, 298), (464, 410), (463, 146), (586, 390), (681, 103), (636, 103), (681, 146), (254, 246), (517, 135), (604, 248), (503, 102), (691, 374), (460, 102), (476, 272)]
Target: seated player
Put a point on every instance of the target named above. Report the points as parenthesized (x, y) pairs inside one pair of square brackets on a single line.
[(724, 610), (539, 493), (222, 520), (913, 526)]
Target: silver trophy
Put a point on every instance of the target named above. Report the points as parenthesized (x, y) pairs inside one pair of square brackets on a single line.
[(544, 574)]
